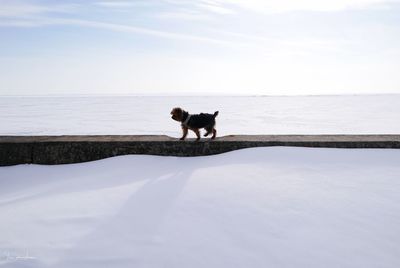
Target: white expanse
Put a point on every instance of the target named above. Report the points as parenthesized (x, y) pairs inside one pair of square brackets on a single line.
[(259, 207), (359, 114)]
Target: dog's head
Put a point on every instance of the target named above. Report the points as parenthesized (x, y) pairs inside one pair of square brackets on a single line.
[(177, 114)]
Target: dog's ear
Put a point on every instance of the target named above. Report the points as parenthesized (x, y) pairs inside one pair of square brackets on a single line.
[(176, 111)]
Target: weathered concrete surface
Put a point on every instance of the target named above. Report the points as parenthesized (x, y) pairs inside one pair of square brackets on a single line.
[(74, 149)]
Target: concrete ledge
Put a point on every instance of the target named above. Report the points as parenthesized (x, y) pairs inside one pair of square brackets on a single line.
[(74, 149)]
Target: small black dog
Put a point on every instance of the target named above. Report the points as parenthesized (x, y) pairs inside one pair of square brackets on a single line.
[(194, 122)]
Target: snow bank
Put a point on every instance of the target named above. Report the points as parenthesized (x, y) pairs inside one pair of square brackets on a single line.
[(260, 207)]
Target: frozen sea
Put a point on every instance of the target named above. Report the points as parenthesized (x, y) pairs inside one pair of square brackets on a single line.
[(74, 115)]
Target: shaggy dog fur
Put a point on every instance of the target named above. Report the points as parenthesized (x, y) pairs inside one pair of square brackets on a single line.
[(195, 122)]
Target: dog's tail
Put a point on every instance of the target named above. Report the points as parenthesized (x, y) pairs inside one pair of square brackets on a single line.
[(215, 114)]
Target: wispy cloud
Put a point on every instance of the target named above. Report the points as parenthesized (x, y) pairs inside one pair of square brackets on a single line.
[(39, 21), (262, 45), (30, 14), (27, 14), (15, 9), (215, 7), (277, 6), (182, 15), (115, 3), (192, 10), (200, 6), (121, 4)]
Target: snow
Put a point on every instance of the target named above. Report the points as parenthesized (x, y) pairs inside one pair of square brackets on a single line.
[(259, 207), (362, 114)]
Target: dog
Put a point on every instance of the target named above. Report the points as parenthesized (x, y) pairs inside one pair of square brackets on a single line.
[(195, 122)]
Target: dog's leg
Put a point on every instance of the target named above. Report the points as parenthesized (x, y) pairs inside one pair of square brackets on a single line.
[(209, 130), (185, 132), (196, 130), (214, 131)]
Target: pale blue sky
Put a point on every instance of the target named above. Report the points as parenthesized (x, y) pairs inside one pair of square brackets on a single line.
[(199, 47)]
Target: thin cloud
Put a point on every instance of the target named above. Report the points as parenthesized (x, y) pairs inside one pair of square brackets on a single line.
[(216, 8), (24, 14), (278, 6), (112, 27), (183, 15), (15, 9), (27, 14), (200, 10), (235, 44), (19, 23), (10, 9), (205, 6), (116, 4)]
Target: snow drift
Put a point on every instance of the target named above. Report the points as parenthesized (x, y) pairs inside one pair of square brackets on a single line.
[(259, 207)]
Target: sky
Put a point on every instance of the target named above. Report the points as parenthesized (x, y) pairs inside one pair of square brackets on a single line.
[(182, 47)]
